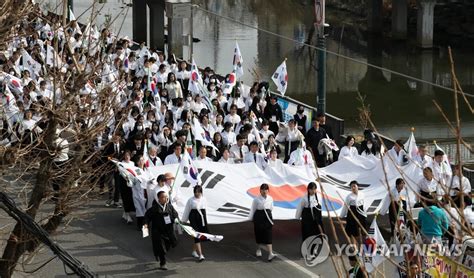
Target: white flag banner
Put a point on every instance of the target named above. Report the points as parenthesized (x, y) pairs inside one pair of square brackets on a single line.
[(280, 78), (71, 15), (52, 58), (238, 61), (375, 248), (231, 188), (30, 64), (201, 135), (410, 146), (196, 80)]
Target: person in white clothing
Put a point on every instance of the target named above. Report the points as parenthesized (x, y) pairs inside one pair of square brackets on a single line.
[(232, 117), (460, 187), (427, 187), (226, 157), (441, 169), (138, 190), (203, 154), (348, 150), (398, 154), (265, 132), (153, 159), (301, 156), (175, 157), (228, 135), (422, 158), (261, 215), (238, 151), (309, 211), (274, 162), (253, 156), (354, 212), (195, 212)]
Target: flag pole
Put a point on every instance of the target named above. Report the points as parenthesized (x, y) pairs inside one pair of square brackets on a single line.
[(176, 174)]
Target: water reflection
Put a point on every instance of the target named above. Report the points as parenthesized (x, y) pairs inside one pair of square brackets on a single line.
[(396, 103)]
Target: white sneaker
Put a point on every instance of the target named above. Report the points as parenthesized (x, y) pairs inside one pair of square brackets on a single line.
[(129, 219), (258, 253), (195, 254), (201, 258), (271, 256)]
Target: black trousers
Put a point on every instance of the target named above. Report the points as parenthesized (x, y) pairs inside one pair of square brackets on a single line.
[(114, 192), (160, 247)]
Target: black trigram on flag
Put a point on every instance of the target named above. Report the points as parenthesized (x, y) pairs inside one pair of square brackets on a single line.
[(205, 175), (341, 184), (373, 207), (234, 209)]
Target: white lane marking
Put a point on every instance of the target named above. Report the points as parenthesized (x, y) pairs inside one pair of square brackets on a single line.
[(297, 266)]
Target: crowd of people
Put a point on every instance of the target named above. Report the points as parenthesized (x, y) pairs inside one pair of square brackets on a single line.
[(159, 109)]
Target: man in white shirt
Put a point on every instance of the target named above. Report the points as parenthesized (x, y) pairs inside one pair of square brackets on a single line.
[(175, 157), (203, 154), (391, 203), (238, 151), (460, 186), (423, 159), (153, 159), (254, 157), (441, 170)]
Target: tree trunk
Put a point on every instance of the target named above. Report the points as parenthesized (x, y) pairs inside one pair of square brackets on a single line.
[(20, 240)]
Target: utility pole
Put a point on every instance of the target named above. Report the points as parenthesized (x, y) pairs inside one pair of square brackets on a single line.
[(319, 10)]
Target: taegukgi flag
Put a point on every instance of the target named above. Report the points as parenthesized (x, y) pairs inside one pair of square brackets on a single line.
[(238, 61), (280, 78), (195, 80), (190, 172)]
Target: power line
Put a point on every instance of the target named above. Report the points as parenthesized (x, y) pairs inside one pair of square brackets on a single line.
[(328, 51)]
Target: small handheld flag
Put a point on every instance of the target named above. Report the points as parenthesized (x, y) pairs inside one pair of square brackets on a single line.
[(280, 78)]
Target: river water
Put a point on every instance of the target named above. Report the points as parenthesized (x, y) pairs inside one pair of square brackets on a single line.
[(396, 104)]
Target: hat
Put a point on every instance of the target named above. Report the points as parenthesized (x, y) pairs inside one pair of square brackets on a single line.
[(169, 176)]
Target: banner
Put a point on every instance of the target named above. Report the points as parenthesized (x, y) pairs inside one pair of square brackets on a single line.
[(231, 188), (443, 267)]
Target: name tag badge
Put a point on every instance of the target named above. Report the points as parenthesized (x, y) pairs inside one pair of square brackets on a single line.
[(167, 219), (274, 118)]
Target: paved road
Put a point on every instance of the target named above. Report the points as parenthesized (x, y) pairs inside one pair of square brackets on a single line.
[(113, 249)]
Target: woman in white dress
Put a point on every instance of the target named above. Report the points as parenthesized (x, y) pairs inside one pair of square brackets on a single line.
[(348, 150), (138, 190), (195, 212), (261, 215), (126, 191), (174, 88)]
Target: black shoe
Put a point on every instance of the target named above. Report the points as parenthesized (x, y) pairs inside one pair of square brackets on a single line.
[(117, 205), (108, 203), (163, 267)]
